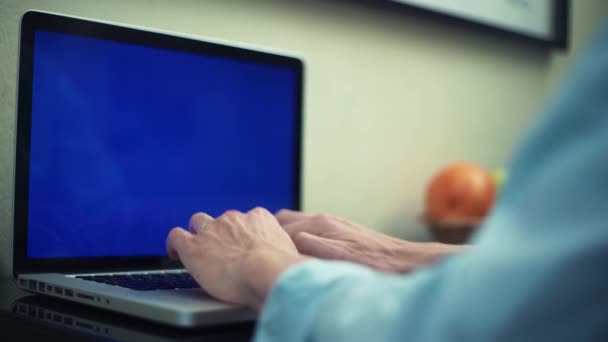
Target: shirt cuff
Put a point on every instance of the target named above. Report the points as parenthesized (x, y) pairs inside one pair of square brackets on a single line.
[(290, 309)]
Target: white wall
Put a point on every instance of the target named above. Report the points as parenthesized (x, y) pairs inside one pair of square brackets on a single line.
[(390, 97)]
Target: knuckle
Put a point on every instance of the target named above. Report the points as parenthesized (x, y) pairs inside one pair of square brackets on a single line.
[(197, 215), (282, 212), (173, 234), (206, 231), (176, 238), (259, 211), (322, 218), (230, 214), (298, 237)]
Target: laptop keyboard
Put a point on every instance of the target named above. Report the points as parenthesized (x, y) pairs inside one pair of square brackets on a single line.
[(146, 281)]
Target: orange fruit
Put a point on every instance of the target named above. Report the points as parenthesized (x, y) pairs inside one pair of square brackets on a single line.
[(460, 191)]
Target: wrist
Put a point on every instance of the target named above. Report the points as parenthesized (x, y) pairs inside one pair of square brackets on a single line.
[(415, 254), (262, 269)]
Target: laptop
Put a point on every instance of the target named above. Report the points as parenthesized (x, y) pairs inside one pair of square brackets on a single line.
[(122, 134)]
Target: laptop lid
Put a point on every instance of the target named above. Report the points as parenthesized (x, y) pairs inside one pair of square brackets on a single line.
[(123, 133)]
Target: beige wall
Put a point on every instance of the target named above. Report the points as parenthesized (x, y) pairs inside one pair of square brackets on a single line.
[(389, 97)]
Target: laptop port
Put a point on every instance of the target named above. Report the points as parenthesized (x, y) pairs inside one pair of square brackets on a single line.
[(57, 318), (58, 290), (84, 296), (41, 286), (41, 313), (32, 284), (67, 320), (69, 293), (22, 282), (84, 325)]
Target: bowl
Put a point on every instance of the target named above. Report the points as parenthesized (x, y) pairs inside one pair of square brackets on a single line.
[(455, 231)]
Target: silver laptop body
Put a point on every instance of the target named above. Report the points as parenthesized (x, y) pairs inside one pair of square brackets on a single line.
[(99, 324), (179, 307)]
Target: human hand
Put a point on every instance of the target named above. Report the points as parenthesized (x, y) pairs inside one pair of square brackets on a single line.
[(236, 257), (330, 237)]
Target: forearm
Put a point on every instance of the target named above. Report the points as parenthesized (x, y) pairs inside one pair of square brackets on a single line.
[(263, 268), (331, 301)]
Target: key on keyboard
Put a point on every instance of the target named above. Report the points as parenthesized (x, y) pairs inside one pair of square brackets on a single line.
[(147, 281)]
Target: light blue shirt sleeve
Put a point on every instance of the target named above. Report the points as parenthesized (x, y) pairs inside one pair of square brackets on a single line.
[(539, 267)]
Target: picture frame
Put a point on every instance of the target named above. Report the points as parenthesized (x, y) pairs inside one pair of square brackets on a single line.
[(544, 22)]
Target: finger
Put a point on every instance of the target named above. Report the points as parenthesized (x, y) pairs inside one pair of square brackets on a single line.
[(177, 242), (259, 211), (198, 222), (286, 216), (317, 246), (312, 226)]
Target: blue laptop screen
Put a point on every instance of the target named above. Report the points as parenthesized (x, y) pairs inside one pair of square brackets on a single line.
[(128, 141)]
